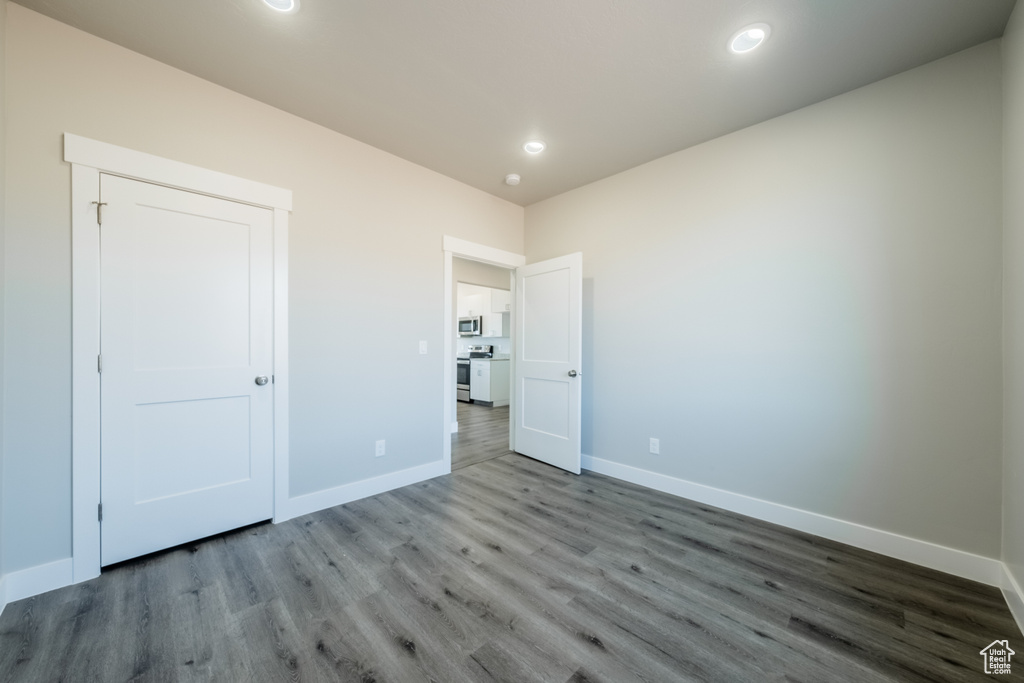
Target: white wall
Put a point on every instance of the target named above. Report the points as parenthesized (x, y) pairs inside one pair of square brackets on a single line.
[(808, 311), (1013, 297), (366, 266)]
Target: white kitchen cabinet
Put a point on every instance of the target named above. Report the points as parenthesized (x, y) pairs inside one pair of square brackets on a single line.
[(493, 305), (495, 325), (501, 301), (473, 304), (489, 381), (480, 380), (500, 381)]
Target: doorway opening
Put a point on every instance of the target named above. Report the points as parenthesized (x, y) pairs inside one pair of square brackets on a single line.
[(483, 350), (545, 333), (470, 254)]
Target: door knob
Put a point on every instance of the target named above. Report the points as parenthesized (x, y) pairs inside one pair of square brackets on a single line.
[(572, 373), (261, 380)]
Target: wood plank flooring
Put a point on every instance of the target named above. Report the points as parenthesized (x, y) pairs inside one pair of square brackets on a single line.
[(482, 435), (511, 570)]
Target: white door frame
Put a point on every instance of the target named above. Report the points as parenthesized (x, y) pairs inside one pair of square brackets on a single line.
[(455, 247), (88, 159)]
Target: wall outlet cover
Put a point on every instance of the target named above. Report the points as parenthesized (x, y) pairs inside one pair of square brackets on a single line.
[(655, 446), (379, 448)]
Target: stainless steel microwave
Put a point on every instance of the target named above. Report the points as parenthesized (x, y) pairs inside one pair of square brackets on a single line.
[(471, 327)]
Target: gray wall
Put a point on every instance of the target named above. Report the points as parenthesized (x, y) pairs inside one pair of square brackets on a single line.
[(366, 266), (808, 311), (1013, 295)]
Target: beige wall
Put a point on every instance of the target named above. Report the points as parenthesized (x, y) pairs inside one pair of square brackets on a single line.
[(1013, 296), (808, 311), (366, 265), (483, 274)]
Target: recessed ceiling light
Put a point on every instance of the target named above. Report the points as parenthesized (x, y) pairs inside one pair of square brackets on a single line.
[(534, 146), (282, 5), (749, 38)]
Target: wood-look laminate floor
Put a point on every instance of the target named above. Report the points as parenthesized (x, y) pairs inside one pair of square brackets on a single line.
[(510, 570), (482, 435)]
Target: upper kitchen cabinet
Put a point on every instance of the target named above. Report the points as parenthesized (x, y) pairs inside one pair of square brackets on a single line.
[(493, 305), (495, 325), (501, 301), (472, 301)]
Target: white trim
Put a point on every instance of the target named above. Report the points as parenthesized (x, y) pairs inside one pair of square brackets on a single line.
[(985, 570), (281, 374), (483, 253), (339, 495), (513, 402), (85, 381), (3, 593), (35, 580), (88, 159), (1014, 596), (448, 387), (452, 247), (141, 166)]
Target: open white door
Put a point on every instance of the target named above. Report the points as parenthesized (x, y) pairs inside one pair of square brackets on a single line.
[(548, 352)]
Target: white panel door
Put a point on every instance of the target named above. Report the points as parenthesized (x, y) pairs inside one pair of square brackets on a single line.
[(548, 357), (187, 327)]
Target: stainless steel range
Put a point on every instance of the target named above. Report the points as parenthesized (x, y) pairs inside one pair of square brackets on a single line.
[(462, 381)]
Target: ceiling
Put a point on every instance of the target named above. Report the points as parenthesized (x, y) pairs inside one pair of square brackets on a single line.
[(459, 85)]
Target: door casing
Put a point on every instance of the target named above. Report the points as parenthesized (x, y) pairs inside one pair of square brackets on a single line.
[(88, 158), (455, 247)]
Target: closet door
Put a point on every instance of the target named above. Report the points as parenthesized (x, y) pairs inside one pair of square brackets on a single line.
[(187, 344)]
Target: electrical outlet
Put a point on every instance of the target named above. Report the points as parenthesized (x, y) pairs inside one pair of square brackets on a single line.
[(423, 348), (655, 446), (380, 448)]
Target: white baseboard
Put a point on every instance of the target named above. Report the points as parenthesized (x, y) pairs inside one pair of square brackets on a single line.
[(985, 570), (34, 580), (321, 500), (455, 427), (1014, 596)]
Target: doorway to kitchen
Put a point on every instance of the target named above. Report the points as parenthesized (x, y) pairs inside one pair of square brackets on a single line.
[(545, 348), (482, 348)]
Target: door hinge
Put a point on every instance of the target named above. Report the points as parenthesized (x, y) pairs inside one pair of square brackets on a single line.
[(99, 212), (99, 512), (271, 379), (99, 363)]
